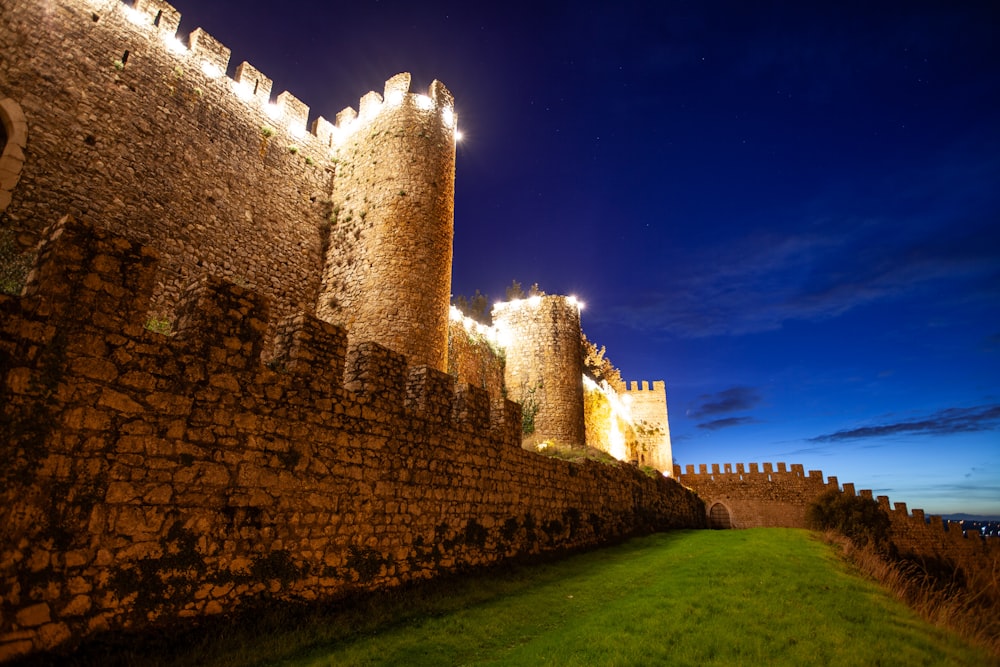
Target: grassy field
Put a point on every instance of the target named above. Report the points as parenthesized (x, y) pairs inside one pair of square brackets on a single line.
[(776, 597)]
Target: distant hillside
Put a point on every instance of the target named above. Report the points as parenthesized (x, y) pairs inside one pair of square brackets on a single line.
[(970, 517)]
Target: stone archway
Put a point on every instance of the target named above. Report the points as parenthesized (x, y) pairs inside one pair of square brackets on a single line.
[(718, 517), (13, 141)]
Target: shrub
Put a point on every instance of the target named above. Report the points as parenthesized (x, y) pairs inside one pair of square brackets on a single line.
[(860, 519)]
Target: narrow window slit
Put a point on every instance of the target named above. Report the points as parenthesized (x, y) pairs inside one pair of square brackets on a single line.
[(156, 21), (125, 57)]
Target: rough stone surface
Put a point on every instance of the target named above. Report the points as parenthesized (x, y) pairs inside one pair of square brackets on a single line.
[(153, 478)]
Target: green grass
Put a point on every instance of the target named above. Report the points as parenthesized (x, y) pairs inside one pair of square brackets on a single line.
[(767, 596)]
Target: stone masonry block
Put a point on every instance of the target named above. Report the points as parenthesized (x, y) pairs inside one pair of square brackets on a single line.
[(222, 322), (209, 50), (161, 14), (90, 276), (307, 346), (253, 82), (430, 393), (505, 422), (377, 375), (472, 408)]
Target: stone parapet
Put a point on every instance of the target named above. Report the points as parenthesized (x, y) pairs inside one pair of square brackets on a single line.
[(151, 478)]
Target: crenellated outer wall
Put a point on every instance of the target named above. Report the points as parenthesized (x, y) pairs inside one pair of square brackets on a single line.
[(153, 478), (754, 496)]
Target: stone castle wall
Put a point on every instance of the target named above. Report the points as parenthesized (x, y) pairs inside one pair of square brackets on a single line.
[(764, 496), (125, 130), (756, 496), (151, 478), (143, 131), (474, 356), (606, 423)]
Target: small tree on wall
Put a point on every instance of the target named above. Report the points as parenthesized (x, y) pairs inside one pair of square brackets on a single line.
[(515, 291), (598, 367), (477, 307)]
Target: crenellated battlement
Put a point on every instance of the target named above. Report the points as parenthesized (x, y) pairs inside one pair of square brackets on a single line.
[(659, 387), (198, 50), (741, 470), (224, 326), (757, 495)]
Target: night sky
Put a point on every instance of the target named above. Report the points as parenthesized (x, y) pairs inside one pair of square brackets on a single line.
[(788, 211)]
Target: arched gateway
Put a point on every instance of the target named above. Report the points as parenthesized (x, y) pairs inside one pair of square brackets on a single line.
[(718, 517)]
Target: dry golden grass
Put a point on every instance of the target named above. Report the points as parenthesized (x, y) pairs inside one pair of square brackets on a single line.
[(970, 608)]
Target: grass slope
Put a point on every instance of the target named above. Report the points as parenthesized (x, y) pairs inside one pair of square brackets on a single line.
[(749, 597), (685, 598)]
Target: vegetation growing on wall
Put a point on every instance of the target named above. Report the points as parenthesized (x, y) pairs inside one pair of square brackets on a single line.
[(598, 367), (475, 359), (515, 291), (476, 307), (14, 264), (530, 405), (860, 519)]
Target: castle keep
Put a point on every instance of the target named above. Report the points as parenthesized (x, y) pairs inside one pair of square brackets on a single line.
[(233, 374)]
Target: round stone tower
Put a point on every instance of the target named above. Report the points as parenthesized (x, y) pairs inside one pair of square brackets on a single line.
[(544, 370), (387, 276)]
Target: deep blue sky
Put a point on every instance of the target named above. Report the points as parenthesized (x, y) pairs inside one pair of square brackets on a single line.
[(790, 212)]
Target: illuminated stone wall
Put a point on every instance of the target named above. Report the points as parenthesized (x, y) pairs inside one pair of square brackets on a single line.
[(474, 356), (608, 423), (132, 127), (149, 478)]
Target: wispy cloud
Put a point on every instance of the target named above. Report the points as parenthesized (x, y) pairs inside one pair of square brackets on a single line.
[(756, 284), (729, 400), (726, 422), (928, 233), (942, 422)]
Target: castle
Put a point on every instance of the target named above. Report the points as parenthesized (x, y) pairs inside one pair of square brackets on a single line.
[(233, 372)]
